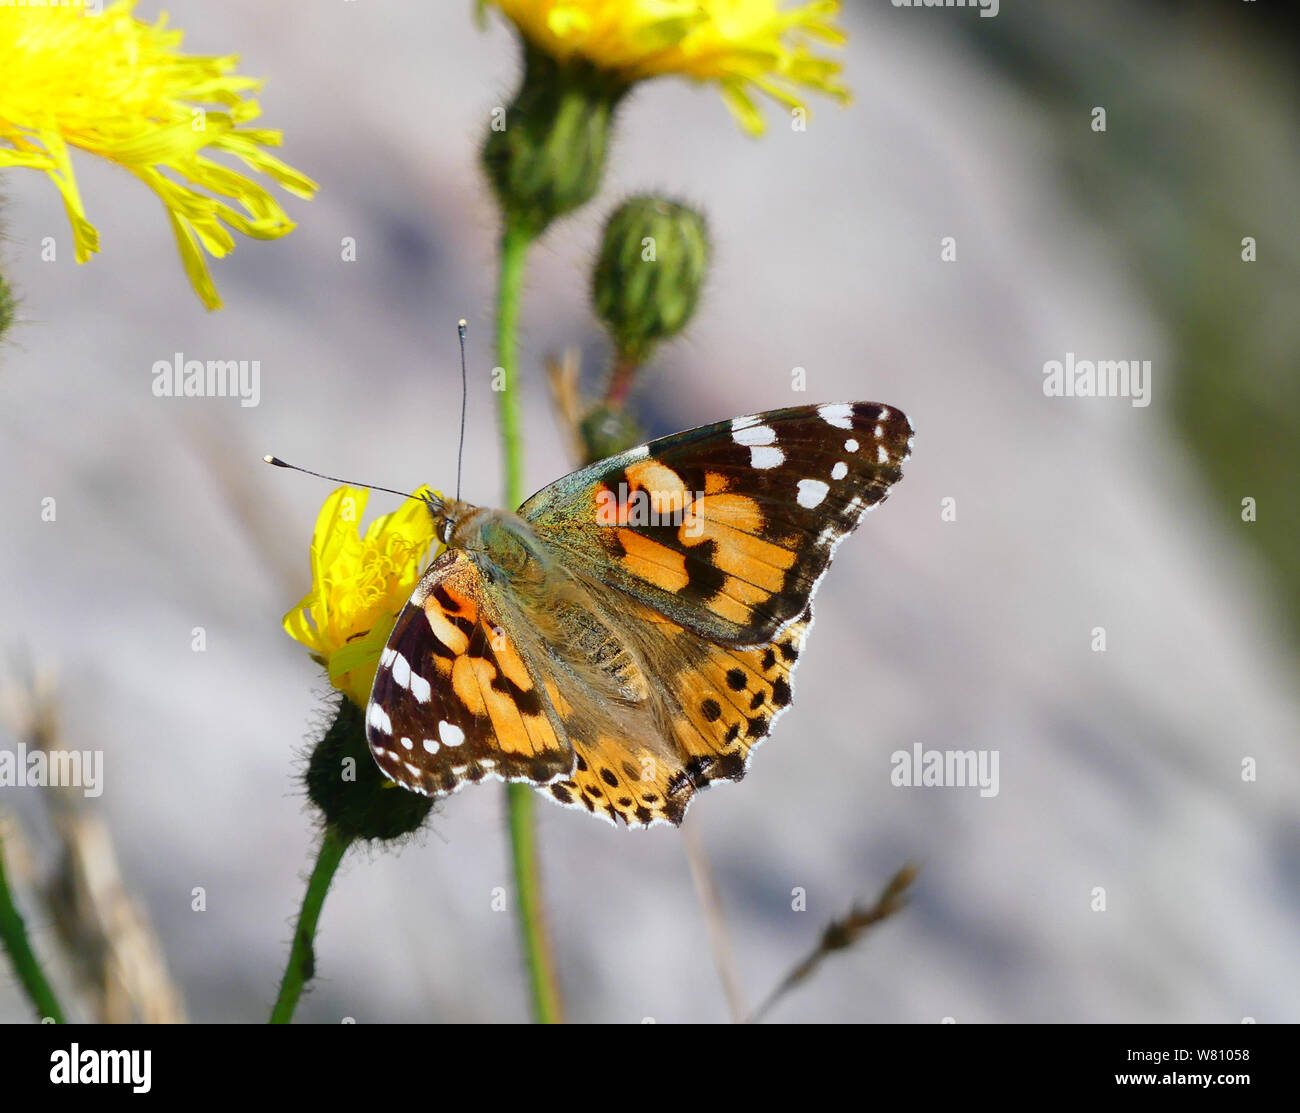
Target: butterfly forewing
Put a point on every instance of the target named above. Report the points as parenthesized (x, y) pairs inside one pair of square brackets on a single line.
[(453, 700), (728, 528)]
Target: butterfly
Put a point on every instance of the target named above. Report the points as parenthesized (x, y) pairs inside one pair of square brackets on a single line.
[(628, 636)]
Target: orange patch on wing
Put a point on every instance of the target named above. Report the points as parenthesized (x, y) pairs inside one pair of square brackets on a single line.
[(751, 558), (732, 522), (511, 664), (665, 487), (655, 563), (471, 679), (447, 632), (735, 602), (738, 511)]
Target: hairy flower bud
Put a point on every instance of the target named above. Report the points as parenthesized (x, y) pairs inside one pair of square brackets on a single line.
[(357, 800), (545, 156), (647, 280)]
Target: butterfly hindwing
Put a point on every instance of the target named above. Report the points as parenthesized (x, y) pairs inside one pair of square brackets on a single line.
[(718, 703), (727, 529), (453, 700)]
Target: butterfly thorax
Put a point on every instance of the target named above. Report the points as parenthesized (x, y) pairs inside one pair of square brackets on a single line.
[(502, 544), (570, 621)]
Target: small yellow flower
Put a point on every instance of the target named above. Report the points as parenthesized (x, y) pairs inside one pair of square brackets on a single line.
[(360, 582), (742, 45), (119, 88)]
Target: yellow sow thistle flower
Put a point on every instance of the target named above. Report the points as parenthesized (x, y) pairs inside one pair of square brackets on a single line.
[(360, 582), (119, 88), (741, 45)]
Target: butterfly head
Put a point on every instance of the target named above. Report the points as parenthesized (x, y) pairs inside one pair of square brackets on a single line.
[(503, 546)]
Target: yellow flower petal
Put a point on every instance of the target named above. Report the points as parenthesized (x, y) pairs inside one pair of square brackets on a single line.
[(119, 88), (740, 45), (360, 582)]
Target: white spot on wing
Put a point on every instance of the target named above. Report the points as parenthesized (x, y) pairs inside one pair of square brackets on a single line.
[(738, 423), (377, 718), (401, 671), (450, 734), (407, 743), (850, 445), (430, 745), (766, 456), (639, 453), (840, 415), (386, 658), (811, 492), (882, 455), (840, 470), (754, 434), (420, 688)]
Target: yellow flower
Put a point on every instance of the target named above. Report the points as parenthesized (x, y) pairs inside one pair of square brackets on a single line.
[(119, 88), (359, 585), (742, 45)]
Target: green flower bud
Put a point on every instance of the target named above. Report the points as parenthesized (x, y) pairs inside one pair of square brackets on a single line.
[(345, 783), (608, 430), (647, 280), (546, 156)]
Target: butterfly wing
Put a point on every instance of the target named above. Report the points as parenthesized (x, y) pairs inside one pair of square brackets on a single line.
[(714, 704), (754, 509), (454, 701)]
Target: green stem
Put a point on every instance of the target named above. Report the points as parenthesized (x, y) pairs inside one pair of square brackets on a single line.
[(515, 242), (302, 955), (547, 1007), (514, 254), (28, 969)]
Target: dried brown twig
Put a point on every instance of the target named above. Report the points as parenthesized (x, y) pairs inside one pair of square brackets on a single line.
[(843, 933), (562, 377), (715, 921)]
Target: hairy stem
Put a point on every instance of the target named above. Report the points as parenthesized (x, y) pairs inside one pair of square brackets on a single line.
[(302, 955)]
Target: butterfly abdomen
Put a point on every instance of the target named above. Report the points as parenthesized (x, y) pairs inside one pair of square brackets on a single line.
[(582, 638)]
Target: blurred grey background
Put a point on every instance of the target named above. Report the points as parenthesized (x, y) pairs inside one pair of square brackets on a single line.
[(1119, 769)]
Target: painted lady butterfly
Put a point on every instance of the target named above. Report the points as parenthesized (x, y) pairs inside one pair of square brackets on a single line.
[(628, 637)]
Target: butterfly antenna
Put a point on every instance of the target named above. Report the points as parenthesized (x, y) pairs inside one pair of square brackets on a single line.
[(461, 327), (276, 462)]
